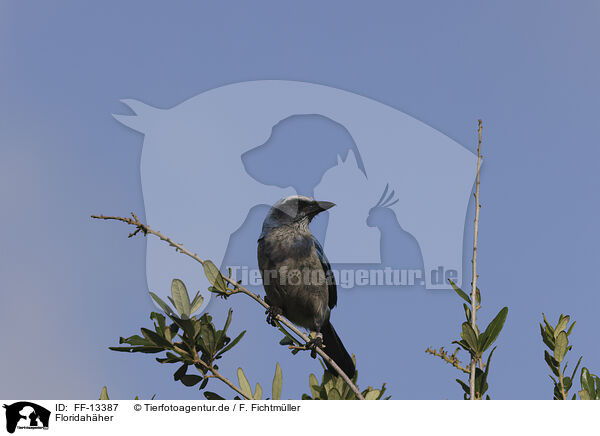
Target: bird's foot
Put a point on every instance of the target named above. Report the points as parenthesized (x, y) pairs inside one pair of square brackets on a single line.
[(314, 343), (272, 313)]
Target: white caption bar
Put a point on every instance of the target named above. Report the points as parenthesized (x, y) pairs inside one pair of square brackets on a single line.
[(298, 417)]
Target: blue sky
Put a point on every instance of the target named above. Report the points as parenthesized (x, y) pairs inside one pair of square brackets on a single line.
[(70, 286)]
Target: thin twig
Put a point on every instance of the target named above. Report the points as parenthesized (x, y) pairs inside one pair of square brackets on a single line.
[(452, 359), (215, 373), (228, 383), (474, 305), (562, 383), (237, 288)]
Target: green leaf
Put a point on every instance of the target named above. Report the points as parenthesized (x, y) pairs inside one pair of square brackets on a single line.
[(571, 328), (552, 363), (171, 358), (288, 335), (557, 393), (480, 383), (104, 394), (468, 334), (232, 343), (462, 344), (181, 298), (334, 394), (187, 325), (160, 325), (173, 330), (372, 395), (547, 337), (164, 306), (135, 340), (465, 386), (313, 383), (277, 383), (208, 334), (286, 341), (156, 339), (562, 324), (244, 384), (204, 383), (560, 348), (221, 334), (191, 380), (492, 331), (149, 350), (180, 372), (257, 392), (460, 292), (467, 312), (587, 382), (212, 396), (328, 381), (196, 303), (584, 395), (567, 383), (548, 325), (214, 276), (487, 364), (339, 384), (576, 366), (227, 321)]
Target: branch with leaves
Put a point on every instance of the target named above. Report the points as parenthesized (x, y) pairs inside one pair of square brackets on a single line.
[(472, 340), (224, 286), (334, 388), (557, 340), (193, 342), (475, 294)]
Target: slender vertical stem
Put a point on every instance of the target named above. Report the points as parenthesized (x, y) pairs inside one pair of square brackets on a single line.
[(562, 383), (474, 263)]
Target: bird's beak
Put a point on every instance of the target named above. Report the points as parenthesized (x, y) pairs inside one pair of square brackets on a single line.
[(324, 205)]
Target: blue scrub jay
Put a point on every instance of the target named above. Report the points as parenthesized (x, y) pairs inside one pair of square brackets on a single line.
[(297, 276)]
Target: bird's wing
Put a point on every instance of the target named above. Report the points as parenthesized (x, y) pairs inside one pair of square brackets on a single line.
[(332, 288), (271, 285)]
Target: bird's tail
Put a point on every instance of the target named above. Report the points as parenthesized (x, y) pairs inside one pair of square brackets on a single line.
[(335, 349)]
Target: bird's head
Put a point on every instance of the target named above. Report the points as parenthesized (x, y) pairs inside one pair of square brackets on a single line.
[(293, 209)]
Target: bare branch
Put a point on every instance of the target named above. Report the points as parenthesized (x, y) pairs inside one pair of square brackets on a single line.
[(474, 305), (452, 359)]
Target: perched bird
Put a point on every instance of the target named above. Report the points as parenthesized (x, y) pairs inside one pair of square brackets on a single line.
[(297, 276)]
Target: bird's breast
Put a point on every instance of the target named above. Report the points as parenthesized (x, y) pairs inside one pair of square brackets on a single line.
[(291, 261)]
